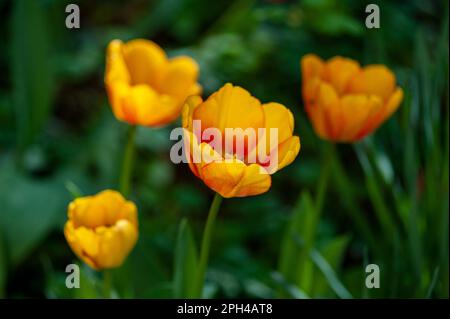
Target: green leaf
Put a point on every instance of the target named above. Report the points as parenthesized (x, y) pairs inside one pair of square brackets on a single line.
[(294, 264), (29, 209), (31, 69), (333, 252), (332, 279), (185, 263), (288, 288), (289, 252)]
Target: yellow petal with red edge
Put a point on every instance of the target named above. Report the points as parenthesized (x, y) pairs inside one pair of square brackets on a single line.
[(393, 104), (230, 107), (235, 179), (357, 110), (146, 62), (287, 152), (198, 155), (192, 150), (329, 111), (191, 103), (373, 79), (379, 117)]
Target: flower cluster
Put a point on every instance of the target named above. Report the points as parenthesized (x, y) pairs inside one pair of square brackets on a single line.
[(344, 101)]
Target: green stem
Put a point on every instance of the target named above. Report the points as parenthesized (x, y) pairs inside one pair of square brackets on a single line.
[(127, 164), (349, 199), (305, 267), (107, 278), (324, 178), (206, 242)]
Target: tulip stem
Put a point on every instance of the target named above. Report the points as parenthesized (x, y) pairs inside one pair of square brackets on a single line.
[(324, 177), (107, 278), (127, 163), (206, 241)]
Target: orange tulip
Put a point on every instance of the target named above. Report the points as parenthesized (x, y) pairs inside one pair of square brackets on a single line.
[(144, 86), (102, 229), (234, 171), (346, 102)]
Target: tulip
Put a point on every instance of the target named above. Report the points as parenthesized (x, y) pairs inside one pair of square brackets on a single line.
[(229, 171), (344, 101), (261, 143), (144, 86), (102, 229)]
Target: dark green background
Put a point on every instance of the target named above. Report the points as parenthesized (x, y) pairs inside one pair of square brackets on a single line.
[(387, 199)]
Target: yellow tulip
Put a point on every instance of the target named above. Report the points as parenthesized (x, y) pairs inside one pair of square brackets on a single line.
[(344, 101), (230, 172), (144, 86), (102, 229)]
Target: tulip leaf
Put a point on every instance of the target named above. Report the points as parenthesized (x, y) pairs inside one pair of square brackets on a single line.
[(28, 208), (333, 251), (293, 263), (31, 69), (185, 263), (289, 289), (330, 275)]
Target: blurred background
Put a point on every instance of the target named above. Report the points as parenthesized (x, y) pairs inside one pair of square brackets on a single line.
[(386, 203)]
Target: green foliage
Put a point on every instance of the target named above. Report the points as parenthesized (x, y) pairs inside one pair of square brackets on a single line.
[(185, 271), (31, 70), (384, 200)]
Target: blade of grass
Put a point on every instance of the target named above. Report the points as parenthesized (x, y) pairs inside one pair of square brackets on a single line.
[(433, 283), (330, 275), (375, 194), (289, 290), (291, 259), (349, 200), (333, 252)]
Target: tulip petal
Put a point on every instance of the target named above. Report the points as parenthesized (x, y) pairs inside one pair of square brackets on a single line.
[(144, 106), (83, 242), (235, 179), (339, 71), (191, 103), (357, 109), (230, 107), (312, 66), (116, 68), (379, 117), (115, 243), (280, 117), (329, 112), (287, 152), (374, 79), (181, 77), (102, 229), (146, 62), (137, 105)]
